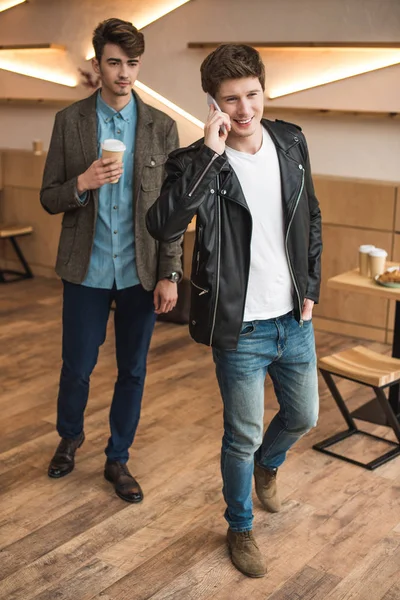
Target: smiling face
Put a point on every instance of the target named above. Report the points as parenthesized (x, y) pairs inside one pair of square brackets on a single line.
[(243, 100), (118, 72)]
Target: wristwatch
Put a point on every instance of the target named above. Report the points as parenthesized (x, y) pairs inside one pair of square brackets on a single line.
[(174, 277)]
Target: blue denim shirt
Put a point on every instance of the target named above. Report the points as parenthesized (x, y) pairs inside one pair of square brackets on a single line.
[(113, 252)]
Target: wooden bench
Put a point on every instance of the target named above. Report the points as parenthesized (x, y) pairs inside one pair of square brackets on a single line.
[(374, 370), (12, 232)]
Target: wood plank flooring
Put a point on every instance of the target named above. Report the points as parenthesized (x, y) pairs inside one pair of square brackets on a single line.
[(336, 538)]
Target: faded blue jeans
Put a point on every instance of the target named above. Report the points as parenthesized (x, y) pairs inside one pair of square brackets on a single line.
[(286, 351)]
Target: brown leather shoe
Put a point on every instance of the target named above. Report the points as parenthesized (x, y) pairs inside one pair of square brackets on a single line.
[(266, 488), (63, 460), (126, 486), (245, 553)]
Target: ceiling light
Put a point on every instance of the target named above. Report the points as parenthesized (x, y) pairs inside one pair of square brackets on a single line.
[(170, 104), (27, 62), (311, 75), (6, 4)]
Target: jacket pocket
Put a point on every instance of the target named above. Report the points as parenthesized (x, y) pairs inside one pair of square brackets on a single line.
[(153, 173), (67, 240), (69, 218)]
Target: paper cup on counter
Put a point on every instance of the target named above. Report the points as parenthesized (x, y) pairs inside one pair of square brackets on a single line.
[(37, 147), (377, 261), (363, 258), (113, 149)]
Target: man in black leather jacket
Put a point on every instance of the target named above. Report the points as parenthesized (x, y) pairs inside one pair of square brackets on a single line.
[(255, 278)]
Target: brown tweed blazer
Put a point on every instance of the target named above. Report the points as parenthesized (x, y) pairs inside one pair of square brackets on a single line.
[(72, 150)]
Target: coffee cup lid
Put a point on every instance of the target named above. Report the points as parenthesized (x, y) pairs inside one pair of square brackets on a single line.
[(113, 145), (365, 248), (378, 252)]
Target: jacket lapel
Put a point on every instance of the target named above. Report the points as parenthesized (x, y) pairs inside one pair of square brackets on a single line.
[(144, 128), (88, 129)]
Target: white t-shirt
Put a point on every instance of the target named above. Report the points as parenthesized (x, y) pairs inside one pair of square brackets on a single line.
[(269, 292)]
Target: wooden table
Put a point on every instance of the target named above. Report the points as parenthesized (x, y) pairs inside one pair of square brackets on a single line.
[(352, 281)]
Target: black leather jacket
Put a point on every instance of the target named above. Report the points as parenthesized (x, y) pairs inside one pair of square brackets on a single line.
[(201, 182)]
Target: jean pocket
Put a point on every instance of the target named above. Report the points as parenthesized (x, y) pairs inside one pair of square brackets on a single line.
[(248, 327)]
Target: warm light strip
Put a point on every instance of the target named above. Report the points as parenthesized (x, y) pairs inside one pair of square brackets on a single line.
[(151, 17), (170, 104), (6, 4), (335, 75), (38, 72)]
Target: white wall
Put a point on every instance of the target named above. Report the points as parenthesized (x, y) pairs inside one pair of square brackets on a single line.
[(339, 146), (347, 147)]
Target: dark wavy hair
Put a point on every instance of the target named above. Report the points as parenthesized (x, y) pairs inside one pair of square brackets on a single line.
[(121, 33), (230, 61)]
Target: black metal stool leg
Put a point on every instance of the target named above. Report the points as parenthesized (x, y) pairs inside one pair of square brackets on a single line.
[(388, 410), (21, 257), (13, 274), (353, 429), (339, 400)]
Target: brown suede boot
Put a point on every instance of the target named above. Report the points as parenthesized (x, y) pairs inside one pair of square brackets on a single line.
[(266, 488), (245, 553)]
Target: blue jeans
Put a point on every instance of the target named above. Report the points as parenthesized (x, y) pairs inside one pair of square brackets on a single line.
[(287, 352), (85, 315)]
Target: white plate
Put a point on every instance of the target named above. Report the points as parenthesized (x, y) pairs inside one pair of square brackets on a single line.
[(390, 284)]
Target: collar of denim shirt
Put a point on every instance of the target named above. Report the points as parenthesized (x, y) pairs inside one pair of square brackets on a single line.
[(107, 113)]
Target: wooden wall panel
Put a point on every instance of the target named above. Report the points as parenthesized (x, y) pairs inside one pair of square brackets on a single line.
[(354, 212), (392, 305), (397, 221), (188, 244), (22, 206), (350, 329), (22, 169), (356, 203)]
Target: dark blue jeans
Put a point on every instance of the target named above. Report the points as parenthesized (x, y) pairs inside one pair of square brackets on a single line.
[(85, 315)]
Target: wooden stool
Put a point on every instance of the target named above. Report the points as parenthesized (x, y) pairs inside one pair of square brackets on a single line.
[(11, 232), (367, 368)]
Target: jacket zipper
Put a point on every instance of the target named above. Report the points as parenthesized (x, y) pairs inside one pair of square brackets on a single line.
[(202, 175), (218, 202), (286, 246), (199, 239), (203, 290)]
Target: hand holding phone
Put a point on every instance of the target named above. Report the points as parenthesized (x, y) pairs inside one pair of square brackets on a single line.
[(211, 101)]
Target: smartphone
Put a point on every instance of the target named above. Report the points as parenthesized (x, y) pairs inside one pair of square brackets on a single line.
[(210, 100)]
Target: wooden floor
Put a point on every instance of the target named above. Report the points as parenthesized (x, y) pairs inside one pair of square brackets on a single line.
[(337, 537)]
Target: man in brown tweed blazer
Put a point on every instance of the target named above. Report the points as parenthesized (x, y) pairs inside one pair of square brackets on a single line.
[(105, 252)]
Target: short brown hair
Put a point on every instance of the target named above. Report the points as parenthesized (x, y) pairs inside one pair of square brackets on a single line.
[(121, 33), (230, 61)]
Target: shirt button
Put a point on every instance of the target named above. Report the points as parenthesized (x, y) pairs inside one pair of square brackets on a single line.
[(115, 255), (118, 131), (211, 191), (115, 207), (115, 231)]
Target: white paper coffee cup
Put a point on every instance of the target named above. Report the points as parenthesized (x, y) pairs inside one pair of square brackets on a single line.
[(377, 261), (363, 258), (115, 149)]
